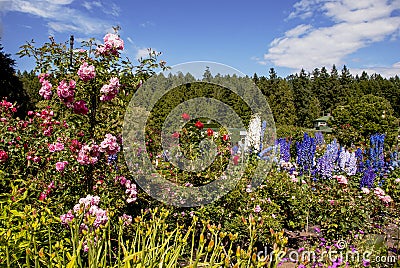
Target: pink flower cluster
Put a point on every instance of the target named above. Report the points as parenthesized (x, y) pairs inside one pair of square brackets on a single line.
[(60, 166), (80, 107), (56, 147), (43, 195), (3, 156), (88, 154), (86, 72), (109, 145), (131, 190), (66, 92), (340, 178), (89, 207), (48, 122), (86, 202), (67, 218), (45, 90), (382, 195), (112, 43), (110, 90), (7, 106), (126, 219)]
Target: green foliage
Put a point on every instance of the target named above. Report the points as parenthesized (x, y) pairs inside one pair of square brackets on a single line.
[(10, 86), (356, 122)]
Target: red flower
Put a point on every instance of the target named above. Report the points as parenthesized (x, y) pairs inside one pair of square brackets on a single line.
[(175, 135), (3, 156), (225, 137), (80, 107), (185, 117), (199, 125), (42, 196), (210, 132), (236, 160)]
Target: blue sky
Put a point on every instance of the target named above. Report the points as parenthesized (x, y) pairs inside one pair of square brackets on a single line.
[(251, 36)]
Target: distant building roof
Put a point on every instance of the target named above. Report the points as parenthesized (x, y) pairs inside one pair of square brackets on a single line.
[(324, 118)]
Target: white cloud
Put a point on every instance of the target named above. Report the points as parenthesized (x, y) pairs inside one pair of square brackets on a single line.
[(298, 30), (90, 5), (61, 17), (354, 25), (385, 71), (130, 40), (142, 53)]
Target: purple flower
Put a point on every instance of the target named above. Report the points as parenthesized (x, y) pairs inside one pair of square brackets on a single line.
[(305, 153), (257, 209), (367, 181), (284, 150), (366, 263)]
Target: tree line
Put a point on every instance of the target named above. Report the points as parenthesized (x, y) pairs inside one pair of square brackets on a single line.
[(295, 101)]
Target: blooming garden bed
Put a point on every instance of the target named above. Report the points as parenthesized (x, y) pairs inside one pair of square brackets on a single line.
[(69, 198)]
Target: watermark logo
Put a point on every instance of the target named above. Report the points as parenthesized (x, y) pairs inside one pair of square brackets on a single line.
[(338, 253), (152, 96)]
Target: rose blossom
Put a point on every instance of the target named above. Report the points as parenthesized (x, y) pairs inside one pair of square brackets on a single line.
[(80, 107), (86, 72), (45, 90), (3, 156), (199, 125), (110, 90), (112, 43), (60, 166), (109, 145), (365, 190)]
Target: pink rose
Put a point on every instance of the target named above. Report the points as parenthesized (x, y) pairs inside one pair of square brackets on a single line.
[(45, 90), (60, 166), (86, 72), (110, 90), (257, 209), (386, 199), (52, 148), (341, 179), (80, 107), (365, 190), (59, 146), (66, 91), (3, 156), (379, 192)]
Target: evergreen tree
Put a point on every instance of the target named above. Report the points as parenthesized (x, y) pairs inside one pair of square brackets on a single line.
[(10, 85)]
